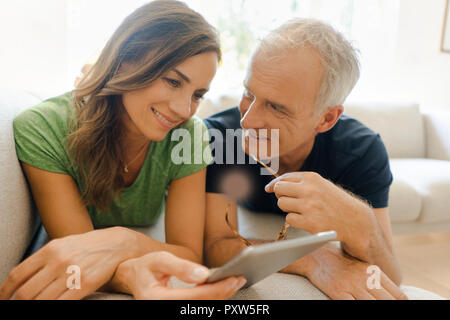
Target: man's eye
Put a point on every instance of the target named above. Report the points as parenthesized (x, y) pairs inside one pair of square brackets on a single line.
[(172, 82), (274, 107)]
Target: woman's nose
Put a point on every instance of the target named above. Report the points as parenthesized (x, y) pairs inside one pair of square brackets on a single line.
[(181, 108)]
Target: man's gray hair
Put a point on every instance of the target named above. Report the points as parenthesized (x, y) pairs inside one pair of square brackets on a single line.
[(339, 58)]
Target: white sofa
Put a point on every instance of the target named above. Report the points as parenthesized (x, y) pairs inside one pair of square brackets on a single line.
[(418, 198)]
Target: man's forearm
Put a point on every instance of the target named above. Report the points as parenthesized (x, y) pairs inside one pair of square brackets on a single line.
[(300, 267), (371, 246), (222, 250), (306, 265)]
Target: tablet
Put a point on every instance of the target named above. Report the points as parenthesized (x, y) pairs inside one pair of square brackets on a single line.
[(257, 262)]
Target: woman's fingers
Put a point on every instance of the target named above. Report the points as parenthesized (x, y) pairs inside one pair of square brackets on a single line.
[(53, 290), (343, 296), (362, 294), (213, 291), (36, 284), (19, 275), (381, 294), (168, 264)]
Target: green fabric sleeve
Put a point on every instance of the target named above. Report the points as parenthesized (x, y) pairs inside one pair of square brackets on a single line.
[(190, 144), (38, 142)]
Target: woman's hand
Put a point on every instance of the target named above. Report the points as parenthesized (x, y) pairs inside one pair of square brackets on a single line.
[(148, 277), (46, 274)]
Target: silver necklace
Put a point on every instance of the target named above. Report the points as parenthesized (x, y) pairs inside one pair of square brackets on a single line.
[(125, 168)]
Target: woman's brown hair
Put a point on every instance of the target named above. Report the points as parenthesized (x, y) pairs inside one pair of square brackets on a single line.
[(152, 40)]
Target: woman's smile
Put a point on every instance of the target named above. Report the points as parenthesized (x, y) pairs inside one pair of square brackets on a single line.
[(164, 121)]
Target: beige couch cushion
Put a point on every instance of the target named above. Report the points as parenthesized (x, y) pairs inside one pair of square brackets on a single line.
[(437, 134), (17, 223), (399, 125), (277, 287), (405, 202), (431, 180)]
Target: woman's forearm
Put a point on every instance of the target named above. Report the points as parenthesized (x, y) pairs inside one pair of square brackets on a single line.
[(142, 244)]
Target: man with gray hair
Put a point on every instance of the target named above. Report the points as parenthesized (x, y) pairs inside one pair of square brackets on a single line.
[(333, 171)]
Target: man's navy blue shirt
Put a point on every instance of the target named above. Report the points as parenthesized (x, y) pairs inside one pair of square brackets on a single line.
[(350, 155)]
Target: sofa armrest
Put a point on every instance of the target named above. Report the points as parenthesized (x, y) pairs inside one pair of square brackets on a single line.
[(437, 133), (17, 213)]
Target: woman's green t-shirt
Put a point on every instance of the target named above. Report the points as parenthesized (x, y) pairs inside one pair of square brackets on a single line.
[(40, 132)]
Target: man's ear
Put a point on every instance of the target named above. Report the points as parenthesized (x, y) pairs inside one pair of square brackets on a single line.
[(329, 118)]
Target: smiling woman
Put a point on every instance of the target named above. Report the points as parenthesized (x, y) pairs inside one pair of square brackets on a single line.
[(99, 157)]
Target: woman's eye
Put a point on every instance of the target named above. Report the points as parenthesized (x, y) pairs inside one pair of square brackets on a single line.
[(197, 97), (174, 83)]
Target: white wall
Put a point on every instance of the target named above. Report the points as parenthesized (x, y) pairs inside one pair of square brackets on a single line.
[(420, 72), (421, 69), (27, 59)]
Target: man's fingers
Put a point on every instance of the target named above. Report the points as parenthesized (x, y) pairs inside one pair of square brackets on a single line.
[(287, 189), (167, 263), (297, 221), (392, 288), (290, 176), (19, 275), (213, 291), (288, 204)]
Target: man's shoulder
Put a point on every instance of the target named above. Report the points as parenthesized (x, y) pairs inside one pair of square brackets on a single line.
[(352, 137), (227, 119)]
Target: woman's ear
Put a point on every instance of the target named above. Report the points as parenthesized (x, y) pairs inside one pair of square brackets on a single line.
[(329, 118)]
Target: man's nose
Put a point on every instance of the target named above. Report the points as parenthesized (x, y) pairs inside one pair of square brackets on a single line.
[(253, 117), (181, 107)]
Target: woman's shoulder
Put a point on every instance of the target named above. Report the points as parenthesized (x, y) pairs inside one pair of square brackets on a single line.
[(193, 131), (192, 123), (189, 148), (40, 132), (52, 113)]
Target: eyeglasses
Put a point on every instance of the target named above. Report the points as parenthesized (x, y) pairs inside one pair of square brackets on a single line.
[(281, 236)]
